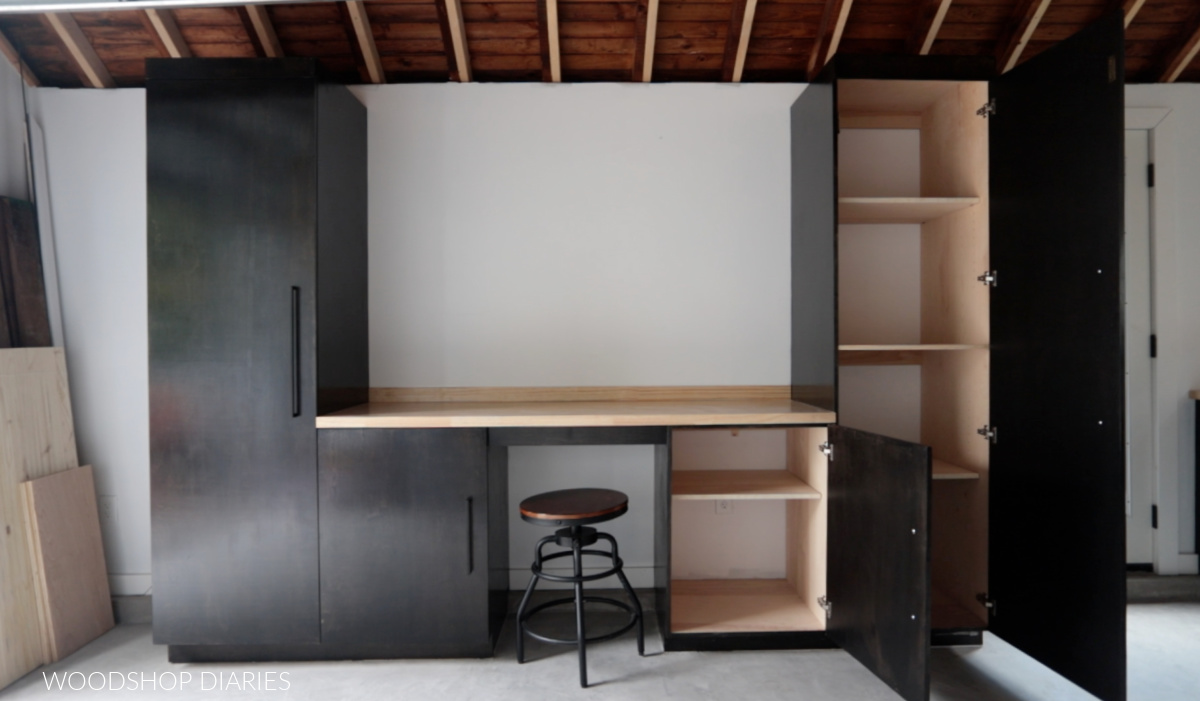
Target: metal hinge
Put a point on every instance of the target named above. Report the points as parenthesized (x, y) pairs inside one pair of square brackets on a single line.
[(823, 602), (1153, 345), (1150, 175), (988, 109), (988, 432), (988, 278), (827, 448), (988, 602), (1154, 516)]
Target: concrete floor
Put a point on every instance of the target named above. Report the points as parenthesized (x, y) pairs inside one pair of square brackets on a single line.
[(1163, 653)]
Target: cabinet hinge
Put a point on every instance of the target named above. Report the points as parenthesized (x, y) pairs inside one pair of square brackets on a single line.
[(827, 448), (1154, 516), (988, 109), (1150, 175), (823, 602), (988, 432), (1153, 345), (988, 602), (988, 278)]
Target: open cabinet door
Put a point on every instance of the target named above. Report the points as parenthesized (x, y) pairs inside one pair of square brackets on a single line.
[(878, 577), (1057, 526)]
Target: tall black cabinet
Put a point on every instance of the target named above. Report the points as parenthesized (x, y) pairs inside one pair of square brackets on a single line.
[(257, 323)]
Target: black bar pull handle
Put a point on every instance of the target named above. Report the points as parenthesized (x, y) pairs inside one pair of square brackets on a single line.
[(470, 535), (295, 351)]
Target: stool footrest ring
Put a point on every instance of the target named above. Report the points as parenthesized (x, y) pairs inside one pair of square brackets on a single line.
[(633, 619)]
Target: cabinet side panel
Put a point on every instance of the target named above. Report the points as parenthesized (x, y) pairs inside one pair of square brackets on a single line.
[(662, 535), (343, 368), (497, 537), (814, 235), (807, 520), (231, 184)]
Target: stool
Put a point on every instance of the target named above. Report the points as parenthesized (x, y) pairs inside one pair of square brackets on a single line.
[(575, 508)]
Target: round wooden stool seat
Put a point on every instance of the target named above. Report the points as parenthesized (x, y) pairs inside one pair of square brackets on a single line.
[(574, 507)]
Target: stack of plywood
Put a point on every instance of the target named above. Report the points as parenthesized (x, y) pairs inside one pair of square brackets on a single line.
[(37, 439)]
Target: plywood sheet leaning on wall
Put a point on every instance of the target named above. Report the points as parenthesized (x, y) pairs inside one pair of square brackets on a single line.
[(37, 438), (68, 554), (22, 284)]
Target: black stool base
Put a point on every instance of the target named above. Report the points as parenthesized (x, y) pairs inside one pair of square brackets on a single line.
[(577, 538)]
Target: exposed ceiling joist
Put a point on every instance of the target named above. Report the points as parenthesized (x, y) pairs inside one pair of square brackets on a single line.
[(264, 31), (163, 24), (647, 33), (1182, 56), (741, 25), (10, 52), (829, 34), (1020, 30), (89, 65), (455, 36), (366, 40), (1131, 8), (929, 22), (551, 51)]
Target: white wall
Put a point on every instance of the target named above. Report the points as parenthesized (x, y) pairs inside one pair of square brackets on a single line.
[(12, 134), (96, 163), (1176, 152)]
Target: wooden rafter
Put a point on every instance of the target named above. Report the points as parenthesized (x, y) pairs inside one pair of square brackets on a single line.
[(551, 51), (264, 31), (167, 32), (829, 34), (647, 34), (1182, 56), (10, 52), (89, 65), (454, 34), (741, 24), (929, 21), (1020, 30), (1131, 8), (366, 40)]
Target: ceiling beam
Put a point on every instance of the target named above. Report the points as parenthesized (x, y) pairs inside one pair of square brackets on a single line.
[(10, 52), (829, 34), (163, 23), (929, 22), (1021, 27), (551, 51), (264, 31), (366, 40), (1131, 8), (741, 24), (1182, 55), (454, 35), (89, 65), (647, 32)]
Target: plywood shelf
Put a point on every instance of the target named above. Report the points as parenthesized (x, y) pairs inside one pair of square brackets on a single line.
[(739, 606), (943, 470), (899, 210), (896, 353), (739, 484)]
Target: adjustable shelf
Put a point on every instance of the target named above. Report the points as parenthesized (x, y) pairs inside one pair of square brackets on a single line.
[(895, 354), (943, 470), (899, 210), (739, 606), (739, 484)]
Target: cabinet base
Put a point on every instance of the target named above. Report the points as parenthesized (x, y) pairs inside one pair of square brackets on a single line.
[(713, 642), (317, 652), (949, 637)]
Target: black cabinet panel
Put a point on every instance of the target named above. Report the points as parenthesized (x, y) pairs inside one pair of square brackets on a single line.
[(814, 239), (404, 538), (231, 232), (878, 576), (1057, 527)]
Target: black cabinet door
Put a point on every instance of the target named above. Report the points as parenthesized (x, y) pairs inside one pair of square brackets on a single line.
[(230, 258), (1057, 526), (878, 577), (404, 539), (814, 238)]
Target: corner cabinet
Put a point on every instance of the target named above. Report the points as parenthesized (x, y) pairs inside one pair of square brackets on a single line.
[(1015, 358)]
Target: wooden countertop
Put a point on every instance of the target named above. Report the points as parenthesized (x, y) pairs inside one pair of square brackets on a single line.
[(749, 412)]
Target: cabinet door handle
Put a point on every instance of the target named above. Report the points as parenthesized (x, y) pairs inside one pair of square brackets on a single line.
[(295, 352), (470, 535)]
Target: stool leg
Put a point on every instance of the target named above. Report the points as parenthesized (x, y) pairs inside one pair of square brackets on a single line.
[(637, 606), (577, 547), (533, 579)]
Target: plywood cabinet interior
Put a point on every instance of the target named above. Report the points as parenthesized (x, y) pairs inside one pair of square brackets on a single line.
[(913, 316)]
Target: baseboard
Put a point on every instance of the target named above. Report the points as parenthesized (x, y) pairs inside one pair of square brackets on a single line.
[(1157, 589)]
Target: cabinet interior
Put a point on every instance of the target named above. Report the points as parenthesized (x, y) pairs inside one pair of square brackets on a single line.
[(913, 317), (748, 530)]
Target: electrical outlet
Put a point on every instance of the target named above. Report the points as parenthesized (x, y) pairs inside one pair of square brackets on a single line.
[(107, 505), (723, 506)]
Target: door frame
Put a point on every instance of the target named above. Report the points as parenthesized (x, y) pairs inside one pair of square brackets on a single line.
[(1168, 400)]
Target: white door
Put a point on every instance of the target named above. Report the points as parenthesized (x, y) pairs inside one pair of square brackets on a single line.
[(1139, 315)]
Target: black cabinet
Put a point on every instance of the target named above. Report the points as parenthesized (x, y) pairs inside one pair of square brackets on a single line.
[(413, 540), (257, 322)]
